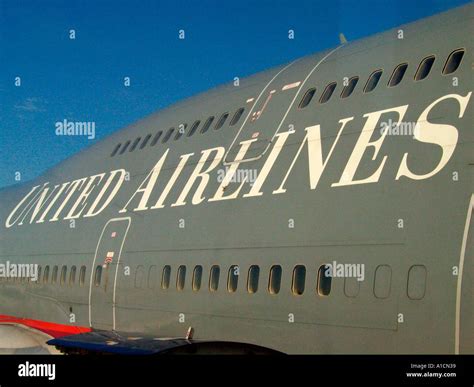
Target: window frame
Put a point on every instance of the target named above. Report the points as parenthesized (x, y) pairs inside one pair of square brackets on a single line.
[(207, 124), (423, 61), (461, 49), (221, 121), (309, 95), (271, 288), (394, 72), (330, 88), (214, 277), (298, 291), (351, 79), (372, 75), (236, 117), (145, 140)]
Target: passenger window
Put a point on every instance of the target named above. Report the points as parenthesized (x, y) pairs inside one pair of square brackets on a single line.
[(252, 282), (424, 68), (114, 152), (167, 135), (382, 281), (308, 96), (54, 277), (193, 128), (125, 146), (299, 278), (98, 275), (207, 125), (221, 121), (233, 278), (236, 116), (152, 277), (327, 94), (351, 287), (398, 74), (82, 276), (63, 275), (156, 138), (197, 278), (72, 276), (181, 277), (453, 62), (274, 282), (416, 287), (165, 279), (324, 281), (372, 81), (139, 277), (135, 143), (145, 141), (349, 88), (214, 278), (38, 280)]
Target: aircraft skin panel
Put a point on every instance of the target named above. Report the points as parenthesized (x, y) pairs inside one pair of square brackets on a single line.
[(328, 187)]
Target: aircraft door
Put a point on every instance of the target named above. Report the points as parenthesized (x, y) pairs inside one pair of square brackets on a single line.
[(104, 272)]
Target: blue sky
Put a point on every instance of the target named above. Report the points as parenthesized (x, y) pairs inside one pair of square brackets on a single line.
[(82, 79)]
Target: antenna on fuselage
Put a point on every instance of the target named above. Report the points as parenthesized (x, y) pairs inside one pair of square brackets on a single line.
[(342, 38)]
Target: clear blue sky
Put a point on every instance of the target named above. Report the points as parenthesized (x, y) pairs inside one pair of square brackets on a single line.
[(82, 79)]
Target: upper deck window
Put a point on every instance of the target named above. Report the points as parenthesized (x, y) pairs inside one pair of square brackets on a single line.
[(193, 128), (398, 74), (424, 68), (327, 93), (207, 124), (145, 141), (221, 121), (453, 62), (372, 81), (236, 116), (135, 143), (349, 88), (308, 96), (167, 135), (114, 152), (156, 138), (125, 146)]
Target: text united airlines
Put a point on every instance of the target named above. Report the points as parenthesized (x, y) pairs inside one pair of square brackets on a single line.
[(89, 196)]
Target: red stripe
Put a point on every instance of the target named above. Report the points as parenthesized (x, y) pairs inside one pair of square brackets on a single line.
[(50, 328)]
